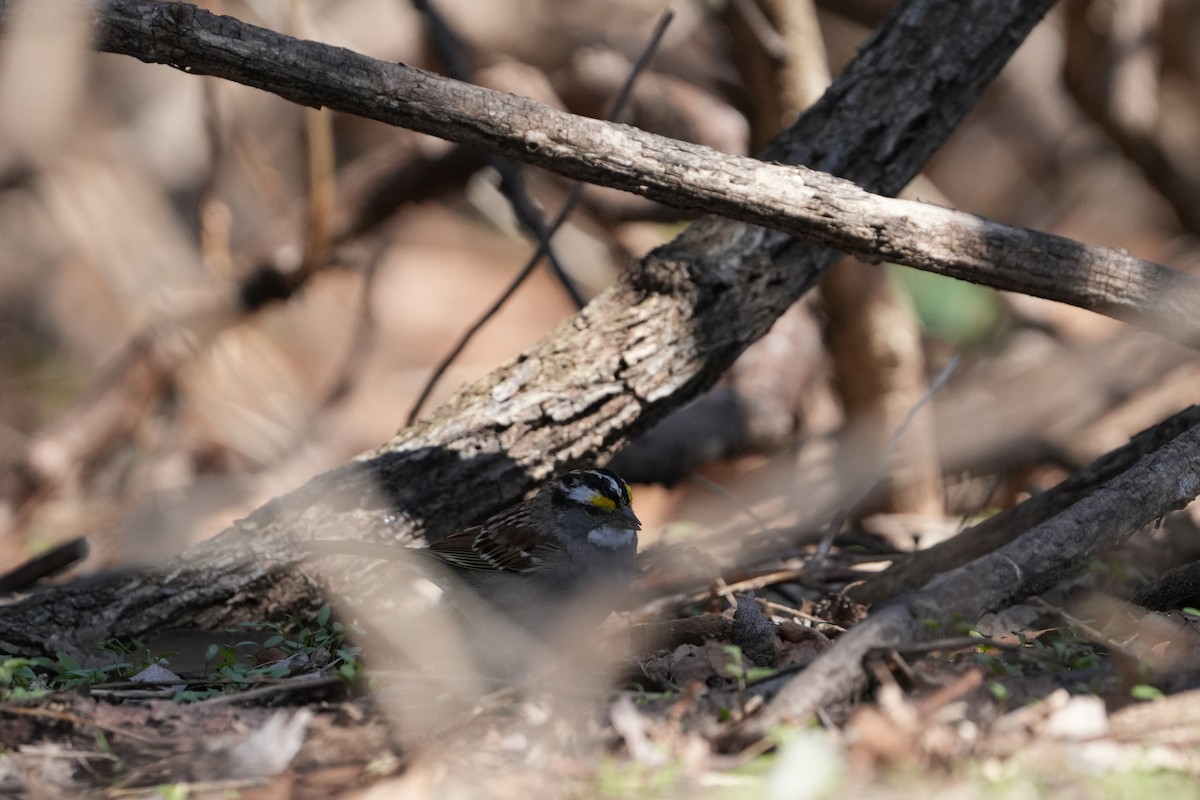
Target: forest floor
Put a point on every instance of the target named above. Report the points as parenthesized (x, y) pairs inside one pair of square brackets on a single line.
[(1072, 694)]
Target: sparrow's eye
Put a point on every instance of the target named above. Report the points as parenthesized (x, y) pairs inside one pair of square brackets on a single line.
[(593, 511)]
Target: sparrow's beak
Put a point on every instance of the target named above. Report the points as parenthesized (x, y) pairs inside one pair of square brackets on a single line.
[(634, 522)]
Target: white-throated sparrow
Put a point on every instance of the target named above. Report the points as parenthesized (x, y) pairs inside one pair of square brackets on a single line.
[(566, 553)]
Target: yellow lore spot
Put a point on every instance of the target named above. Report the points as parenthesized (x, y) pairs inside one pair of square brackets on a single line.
[(602, 502)]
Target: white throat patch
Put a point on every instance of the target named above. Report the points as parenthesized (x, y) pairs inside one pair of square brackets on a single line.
[(608, 538)]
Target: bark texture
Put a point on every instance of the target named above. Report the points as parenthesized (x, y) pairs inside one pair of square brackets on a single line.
[(656, 339)]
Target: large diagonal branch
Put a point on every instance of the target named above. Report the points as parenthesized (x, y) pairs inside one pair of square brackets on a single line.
[(811, 205), (657, 338)]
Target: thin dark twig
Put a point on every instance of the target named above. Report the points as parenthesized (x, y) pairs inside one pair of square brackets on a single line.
[(639, 66), (444, 364), (512, 186), (451, 49), (567, 207), (448, 45)]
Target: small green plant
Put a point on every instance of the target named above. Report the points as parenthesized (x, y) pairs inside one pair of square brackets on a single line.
[(616, 779), (23, 677), (231, 668), (20, 680), (953, 311), (71, 673), (643, 697), (1056, 652), (322, 646), (743, 675), (1144, 691), (173, 791), (929, 616), (739, 672), (103, 746)]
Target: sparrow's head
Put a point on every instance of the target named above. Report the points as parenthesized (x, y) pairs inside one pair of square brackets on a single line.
[(596, 504)]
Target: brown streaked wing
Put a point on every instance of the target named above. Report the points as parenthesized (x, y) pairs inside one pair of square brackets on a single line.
[(506, 546)]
